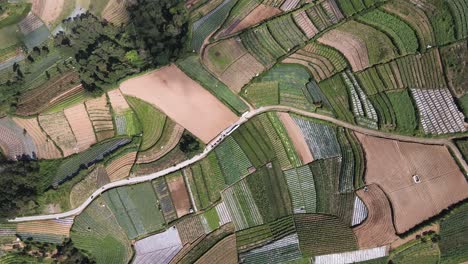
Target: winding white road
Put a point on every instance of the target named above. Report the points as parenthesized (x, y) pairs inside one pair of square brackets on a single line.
[(244, 118)]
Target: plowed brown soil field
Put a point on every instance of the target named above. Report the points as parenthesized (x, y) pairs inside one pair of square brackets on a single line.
[(297, 138), (183, 100), (393, 165)]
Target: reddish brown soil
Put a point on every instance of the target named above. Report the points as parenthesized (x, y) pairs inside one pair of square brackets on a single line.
[(47, 10), (259, 14), (118, 102), (297, 138), (120, 167), (179, 194), (45, 147), (377, 230), (392, 164), (183, 100), (354, 49), (81, 126)]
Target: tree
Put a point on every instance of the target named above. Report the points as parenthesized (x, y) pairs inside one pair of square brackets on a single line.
[(160, 28), (18, 184), (188, 143)]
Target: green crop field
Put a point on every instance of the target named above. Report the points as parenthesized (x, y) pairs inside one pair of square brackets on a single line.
[(234, 162), (193, 68), (9, 36), (454, 236), (401, 33), (269, 190), (359, 161), (15, 11), (323, 234), (379, 46), (260, 42), (302, 189), (346, 180), (278, 138), (416, 252), (253, 140), (206, 181), (203, 27), (72, 165), (212, 218), (284, 84), (459, 11), (136, 209), (462, 145), (351, 7), (405, 112), (151, 119), (385, 112), (335, 91), (97, 232), (326, 174), (442, 21), (274, 230), (242, 206)]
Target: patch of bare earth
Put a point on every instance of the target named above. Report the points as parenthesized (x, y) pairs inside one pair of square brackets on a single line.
[(120, 168), (420, 180), (377, 230), (46, 148), (183, 100), (260, 13), (47, 10), (353, 48), (179, 194), (297, 138), (81, 126)]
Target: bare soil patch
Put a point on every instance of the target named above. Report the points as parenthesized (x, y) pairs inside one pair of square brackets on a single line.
[(118, 102), (45, 147), (297, 138), (81, 126), (116, 12), (120, 168), (353, 48), (377, 230), (183, 100), (179, 194), (260, 13), (47, 10), (395, 165), (58, 129)]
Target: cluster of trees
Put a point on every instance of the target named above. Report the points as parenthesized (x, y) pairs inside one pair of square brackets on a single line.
[(189, 144), (106, 53), (18, 184)]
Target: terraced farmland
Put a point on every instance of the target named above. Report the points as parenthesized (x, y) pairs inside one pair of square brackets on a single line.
[(206, 181), (453, 235), (233, 161), (71, 166), (97, 231), (323, 234), (270, 192), (253, 140), (136, 209)]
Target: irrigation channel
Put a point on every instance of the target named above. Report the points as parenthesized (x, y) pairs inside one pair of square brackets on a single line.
[(217, 140)]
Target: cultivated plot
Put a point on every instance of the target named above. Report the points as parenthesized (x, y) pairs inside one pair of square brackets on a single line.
[(420, 180), (183, 100)]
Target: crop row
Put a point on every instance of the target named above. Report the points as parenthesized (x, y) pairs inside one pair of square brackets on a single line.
[(234, 162), (71, 166)]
